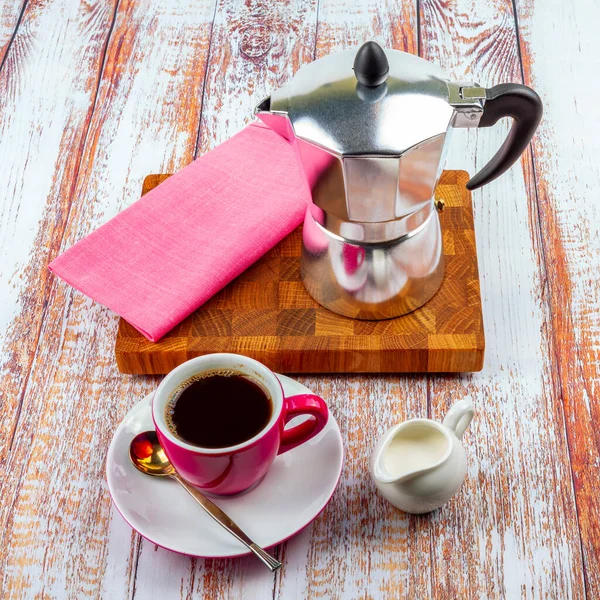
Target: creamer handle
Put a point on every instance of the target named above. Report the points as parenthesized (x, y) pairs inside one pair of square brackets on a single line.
[(459, 417)]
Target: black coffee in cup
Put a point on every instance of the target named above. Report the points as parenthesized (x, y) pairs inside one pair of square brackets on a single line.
[(218, 409)]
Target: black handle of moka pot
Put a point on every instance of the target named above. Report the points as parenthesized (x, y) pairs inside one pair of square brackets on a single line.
[(525, 107)]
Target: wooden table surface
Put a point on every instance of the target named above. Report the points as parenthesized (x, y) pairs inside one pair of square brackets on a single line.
[(95, 95)]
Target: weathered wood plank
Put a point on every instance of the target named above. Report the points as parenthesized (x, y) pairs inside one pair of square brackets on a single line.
[(146, 118), (43, 122), (345, 25), (513, 530), (10, 11), (560, 49), (256, 47)]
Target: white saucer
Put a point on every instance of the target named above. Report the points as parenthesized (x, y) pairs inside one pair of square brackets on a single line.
[(295, 490)]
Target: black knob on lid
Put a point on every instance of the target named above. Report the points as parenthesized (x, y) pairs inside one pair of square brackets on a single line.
[(371, 65)]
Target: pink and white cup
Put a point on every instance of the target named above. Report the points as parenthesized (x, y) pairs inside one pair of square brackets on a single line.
[(234, 469)]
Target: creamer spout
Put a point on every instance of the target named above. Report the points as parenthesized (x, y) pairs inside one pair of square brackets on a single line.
[(384, 476)]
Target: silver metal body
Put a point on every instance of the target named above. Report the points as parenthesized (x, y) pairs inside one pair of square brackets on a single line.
[(372, 157)]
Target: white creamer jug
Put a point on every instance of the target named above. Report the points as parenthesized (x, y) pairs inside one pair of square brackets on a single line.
[(420, 464)]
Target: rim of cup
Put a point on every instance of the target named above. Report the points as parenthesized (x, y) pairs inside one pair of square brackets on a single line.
[(248, 367)]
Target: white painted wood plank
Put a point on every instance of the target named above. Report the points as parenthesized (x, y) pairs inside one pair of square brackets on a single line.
[(256, 48), (361, 546), (515, 520), (47, 90), (122, 550), (146, 120), (9, 16), (163, 574), (561, 49)]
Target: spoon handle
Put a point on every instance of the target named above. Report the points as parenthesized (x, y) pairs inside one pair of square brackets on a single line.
[(226, 522)]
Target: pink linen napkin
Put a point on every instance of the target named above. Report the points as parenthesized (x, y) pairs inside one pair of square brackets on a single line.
[(169, 252)]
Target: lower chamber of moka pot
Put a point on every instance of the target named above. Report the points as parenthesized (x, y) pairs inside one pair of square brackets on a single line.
[(372, 281)]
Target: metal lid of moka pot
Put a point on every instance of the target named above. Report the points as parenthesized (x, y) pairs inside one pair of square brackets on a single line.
[(371, 102)]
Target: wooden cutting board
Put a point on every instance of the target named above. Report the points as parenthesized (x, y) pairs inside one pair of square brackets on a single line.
[(267, 314)]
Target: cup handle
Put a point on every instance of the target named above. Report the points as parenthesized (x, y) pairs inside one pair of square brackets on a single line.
[(303, 404), (459, 417)]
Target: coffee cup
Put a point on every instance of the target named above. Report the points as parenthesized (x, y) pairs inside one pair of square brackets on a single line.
[(236, 468)]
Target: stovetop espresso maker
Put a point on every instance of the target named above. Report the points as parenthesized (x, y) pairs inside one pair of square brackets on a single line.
[(369, 128)]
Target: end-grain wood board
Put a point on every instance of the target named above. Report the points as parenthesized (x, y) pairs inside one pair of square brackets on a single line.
[(267, 314)]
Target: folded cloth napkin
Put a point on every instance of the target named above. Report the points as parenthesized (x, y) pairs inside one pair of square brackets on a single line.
[(169, 252)]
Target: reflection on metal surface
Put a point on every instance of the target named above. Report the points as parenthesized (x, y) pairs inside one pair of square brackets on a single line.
[(326, 108), (373, 232), (372, 189), (419, 172), (468, 100), (372, 281), (324, 173)]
